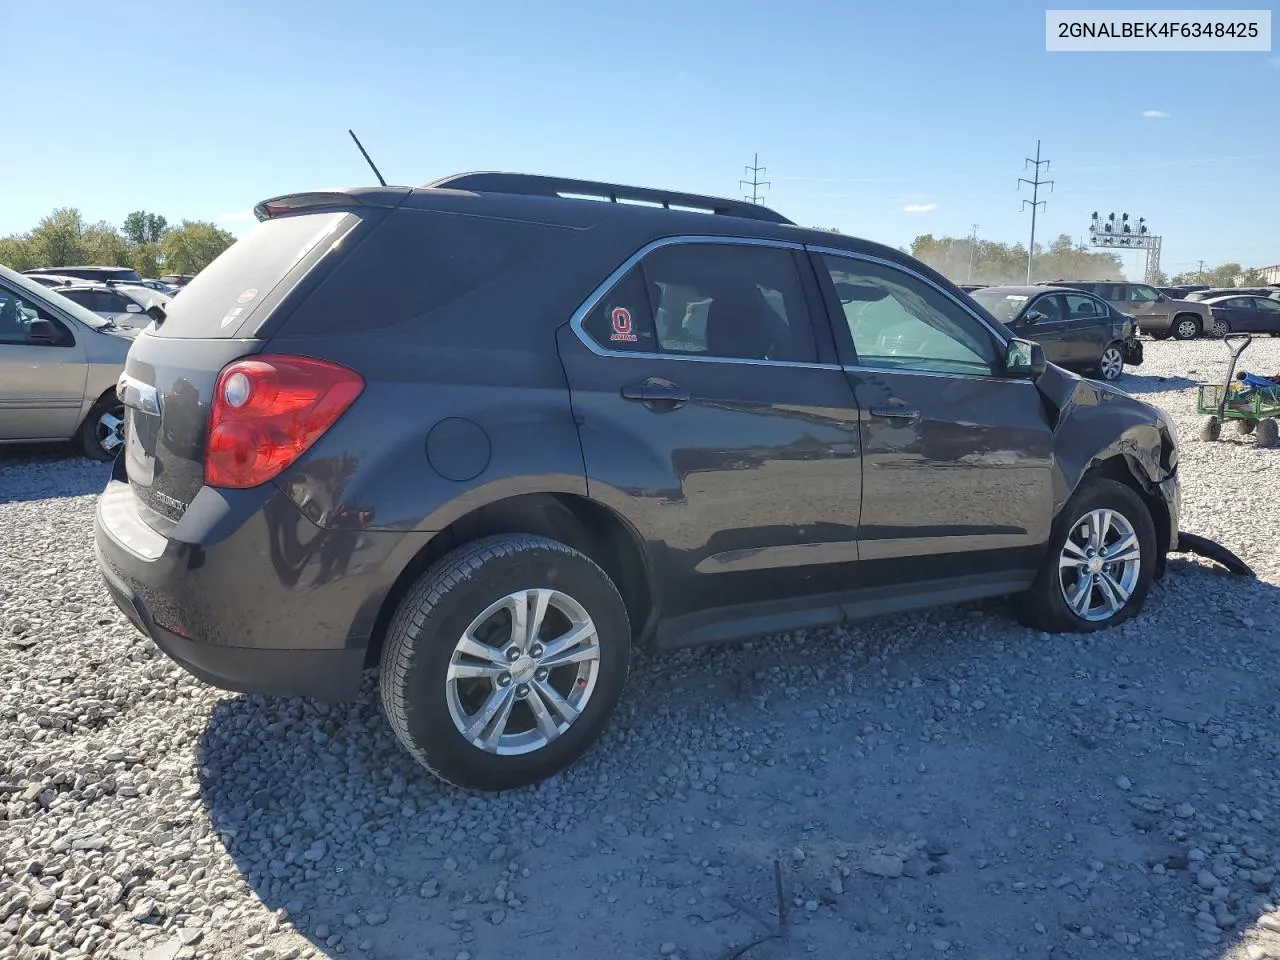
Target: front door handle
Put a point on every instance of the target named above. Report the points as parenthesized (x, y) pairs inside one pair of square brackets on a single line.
[(895, 412), (658, 395)]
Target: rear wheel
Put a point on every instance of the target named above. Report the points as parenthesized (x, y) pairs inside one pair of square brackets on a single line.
[(1210, 430), (505, 661), (1186, 328), (1221, 328), (101, 435), (1111, 364), (1099, 565), (1245, 427), (1268, 434)]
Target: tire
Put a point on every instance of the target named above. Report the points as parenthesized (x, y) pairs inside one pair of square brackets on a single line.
[(1186, 327), (1245, 427), (1221, 328), (1268, 433), (1210, 430), (1045, 606), (422, 648), (1111, 363), (1160, 334), (101, 435)]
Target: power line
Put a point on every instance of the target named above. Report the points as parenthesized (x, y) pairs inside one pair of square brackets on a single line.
[(1035, 202), (755, 183)]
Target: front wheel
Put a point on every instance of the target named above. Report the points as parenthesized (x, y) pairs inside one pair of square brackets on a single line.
[(505, 661), (101, 435), (1099, 565), (1186, 328), (1210, 430), (1245, 427), (1160, 334), (1111, 364)]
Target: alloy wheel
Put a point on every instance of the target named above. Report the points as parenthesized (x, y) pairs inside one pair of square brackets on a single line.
[(1220, 328), (1112, 363), (109, 430), (523, 672), (1099, 565), (1187, 329)]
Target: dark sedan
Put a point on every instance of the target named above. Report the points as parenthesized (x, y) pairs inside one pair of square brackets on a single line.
[(1076, 330), (1245, 315)]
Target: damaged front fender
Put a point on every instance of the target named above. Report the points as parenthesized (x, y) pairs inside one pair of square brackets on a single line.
[(1100, 428)]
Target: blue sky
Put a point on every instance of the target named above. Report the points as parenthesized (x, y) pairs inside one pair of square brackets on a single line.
[(884, 120)]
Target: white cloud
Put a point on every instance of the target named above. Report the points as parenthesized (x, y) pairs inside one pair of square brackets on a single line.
[(236, 216), (920, 208), (1155, 114)]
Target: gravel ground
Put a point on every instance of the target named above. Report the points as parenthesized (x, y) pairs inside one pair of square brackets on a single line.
[(943, 784)]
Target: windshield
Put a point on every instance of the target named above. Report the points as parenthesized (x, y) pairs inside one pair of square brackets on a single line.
[(1004, 306), (43, 294)]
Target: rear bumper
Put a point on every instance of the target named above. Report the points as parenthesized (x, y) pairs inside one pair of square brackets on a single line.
[(322, 674), (246, 593)]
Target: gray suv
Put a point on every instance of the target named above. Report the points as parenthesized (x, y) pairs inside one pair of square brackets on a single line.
[(591, 427), (1157, 315)]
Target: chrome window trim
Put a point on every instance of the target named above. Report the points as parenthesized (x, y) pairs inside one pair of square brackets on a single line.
[(579, 316)]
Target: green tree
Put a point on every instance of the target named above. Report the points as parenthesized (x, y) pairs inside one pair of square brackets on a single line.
[(145, 258), (193, 246), (142, 227), (16, 252), (1220, 276)]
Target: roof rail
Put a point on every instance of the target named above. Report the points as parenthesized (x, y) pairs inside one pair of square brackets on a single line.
[(533, 185)]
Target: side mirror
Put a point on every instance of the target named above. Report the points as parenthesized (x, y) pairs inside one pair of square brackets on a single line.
[(156, 313), (133, 308), (1022, 358), (42, 331), (1034, 316)]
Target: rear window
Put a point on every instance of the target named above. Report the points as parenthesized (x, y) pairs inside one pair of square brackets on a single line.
[(413, 263), (222, 296)]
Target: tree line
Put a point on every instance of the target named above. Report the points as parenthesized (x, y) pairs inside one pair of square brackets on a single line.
[(146, 241), (964, 260)]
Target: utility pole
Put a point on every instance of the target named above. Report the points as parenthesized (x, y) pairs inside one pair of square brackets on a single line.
[(1035, 201), (755, 183), (1200, 272), (973, 245)]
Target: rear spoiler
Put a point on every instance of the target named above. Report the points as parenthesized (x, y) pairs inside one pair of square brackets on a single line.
[(331, 199)]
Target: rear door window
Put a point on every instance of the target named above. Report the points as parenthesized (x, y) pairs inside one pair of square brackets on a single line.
[(223, 296)]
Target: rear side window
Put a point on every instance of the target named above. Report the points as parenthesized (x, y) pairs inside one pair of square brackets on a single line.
[(724, 300), (413, 263), (221, 297)]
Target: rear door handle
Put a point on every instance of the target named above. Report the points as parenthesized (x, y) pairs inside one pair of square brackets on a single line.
[(895, 413), (660, 395)]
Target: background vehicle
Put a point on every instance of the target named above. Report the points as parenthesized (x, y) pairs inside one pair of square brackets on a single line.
[(1157, 315), (1211, 293), (53, 280), (127, 305), (1245, 315), (168, 289), (350, 457), (1075, 329), (100, 274), (177, 279), (58, 369)]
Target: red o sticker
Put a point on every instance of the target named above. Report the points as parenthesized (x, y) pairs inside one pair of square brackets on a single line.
[(247, 295), (622, 326)]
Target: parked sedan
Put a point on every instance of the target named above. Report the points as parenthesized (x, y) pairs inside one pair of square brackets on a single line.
[(1077, 330), (124, 304), (1245, 315), (59, 365)]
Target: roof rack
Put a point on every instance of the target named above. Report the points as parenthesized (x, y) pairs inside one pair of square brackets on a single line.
[(533, 185)]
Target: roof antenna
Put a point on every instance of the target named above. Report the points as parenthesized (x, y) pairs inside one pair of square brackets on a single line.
[(366, 157)]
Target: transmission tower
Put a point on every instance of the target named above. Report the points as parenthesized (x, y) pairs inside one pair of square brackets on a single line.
[(1035, 202), (973, 245), (1115, 233), (755, 183)]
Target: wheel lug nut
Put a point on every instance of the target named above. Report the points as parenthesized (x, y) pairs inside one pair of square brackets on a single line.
[(504, 679), (513, 653), (522, 691), (541, 674), (536, 650)]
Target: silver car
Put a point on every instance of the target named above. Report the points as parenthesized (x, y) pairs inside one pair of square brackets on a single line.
[(124, 304), (1157, 315), (59, 364)]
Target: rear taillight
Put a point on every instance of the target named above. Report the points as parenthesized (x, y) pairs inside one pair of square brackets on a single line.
[(267, 411)]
